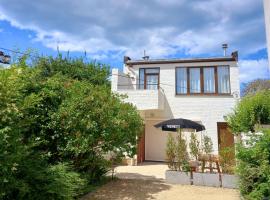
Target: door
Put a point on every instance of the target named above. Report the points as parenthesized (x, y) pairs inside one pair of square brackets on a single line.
[(141, 147), (151, 81), (225, 140)]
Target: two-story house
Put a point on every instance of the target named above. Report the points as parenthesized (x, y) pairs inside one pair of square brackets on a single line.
[(204, 90)]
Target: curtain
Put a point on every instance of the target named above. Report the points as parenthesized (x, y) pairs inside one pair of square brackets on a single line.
[(223, 79), (195, 80), (181, 78), (141, 79), (152, 82), (209, 80)]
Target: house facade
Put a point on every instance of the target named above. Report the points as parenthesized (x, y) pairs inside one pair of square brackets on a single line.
[(204, 90)]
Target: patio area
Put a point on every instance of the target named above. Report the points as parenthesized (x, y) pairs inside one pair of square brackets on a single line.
[(146, 181)]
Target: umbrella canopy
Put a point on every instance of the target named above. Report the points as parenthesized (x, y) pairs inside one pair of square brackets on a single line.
[(174, 124)]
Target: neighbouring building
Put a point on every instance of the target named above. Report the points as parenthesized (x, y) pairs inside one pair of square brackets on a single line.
[(204, 90), (267, 25)]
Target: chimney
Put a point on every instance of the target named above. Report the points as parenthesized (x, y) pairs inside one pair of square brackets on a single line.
[(126, 58), (225, 47), (235, 55)]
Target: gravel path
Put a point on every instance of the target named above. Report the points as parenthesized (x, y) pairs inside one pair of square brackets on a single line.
[(147, 182)]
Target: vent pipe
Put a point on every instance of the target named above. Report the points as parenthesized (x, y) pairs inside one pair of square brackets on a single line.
[(225, 47)]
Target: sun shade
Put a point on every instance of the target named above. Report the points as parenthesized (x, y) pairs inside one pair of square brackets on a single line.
[(174, 124)]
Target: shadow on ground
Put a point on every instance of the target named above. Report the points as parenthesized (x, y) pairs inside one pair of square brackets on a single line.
[(142, 188)]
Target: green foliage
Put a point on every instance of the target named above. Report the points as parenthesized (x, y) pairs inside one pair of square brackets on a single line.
[(254, 167), (226, 160), (255, 86), (181, 153), (252, 110), (194, 146), (170, 151), (59, 110), (207, 145)]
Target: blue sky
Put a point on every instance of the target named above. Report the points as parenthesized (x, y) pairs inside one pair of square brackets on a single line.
[(108, 30)]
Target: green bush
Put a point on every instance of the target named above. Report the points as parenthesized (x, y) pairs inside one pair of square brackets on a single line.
[(254, 167), (194, 146), (59, 110), (170, 152), (207, 145)]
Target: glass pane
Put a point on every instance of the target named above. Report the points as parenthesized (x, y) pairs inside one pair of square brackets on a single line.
[(152, 82), (152, 71), (181, 78), (141, 79), (209, 80), (223, 79), (195, 80)]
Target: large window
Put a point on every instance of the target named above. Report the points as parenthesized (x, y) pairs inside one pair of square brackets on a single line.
[(149, 78), (203, 80)]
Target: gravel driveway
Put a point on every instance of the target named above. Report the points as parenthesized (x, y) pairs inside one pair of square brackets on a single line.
[(147, 182)]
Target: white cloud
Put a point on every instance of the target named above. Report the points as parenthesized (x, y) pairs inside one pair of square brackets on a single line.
[(163, 28), (253, 69)]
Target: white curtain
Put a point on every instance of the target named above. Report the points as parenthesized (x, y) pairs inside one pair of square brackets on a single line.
[(195, 80), (181, 85), (209, 80), (223, 79), (152, 82)]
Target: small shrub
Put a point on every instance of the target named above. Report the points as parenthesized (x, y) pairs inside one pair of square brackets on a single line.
[(181, 154), (227, 160), (194, 146), (170, 151), (207, 145)]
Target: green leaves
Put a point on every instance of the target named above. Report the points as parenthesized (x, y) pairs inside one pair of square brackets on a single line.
[(251, 110)]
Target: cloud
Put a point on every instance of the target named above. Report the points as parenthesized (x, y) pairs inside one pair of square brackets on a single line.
[(253, 69), (163, 28)]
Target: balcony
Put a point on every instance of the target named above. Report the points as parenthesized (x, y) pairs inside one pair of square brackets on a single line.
[(143, 99)]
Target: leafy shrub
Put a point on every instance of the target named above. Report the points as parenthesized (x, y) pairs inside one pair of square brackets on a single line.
[(181, 153), (227, 162), (170, 151), (207, 144), (194, 146), (59, 110), (254, 167)]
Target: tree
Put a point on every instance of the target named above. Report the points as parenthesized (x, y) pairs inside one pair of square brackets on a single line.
[(58, 119), (170, 152), (255, 86), (252, 110), (207, 145)]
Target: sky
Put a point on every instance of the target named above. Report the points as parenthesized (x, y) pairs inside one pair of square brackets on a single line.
[(109, 29)]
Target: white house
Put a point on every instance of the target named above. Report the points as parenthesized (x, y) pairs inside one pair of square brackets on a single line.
[(200, 89), (267, 25)]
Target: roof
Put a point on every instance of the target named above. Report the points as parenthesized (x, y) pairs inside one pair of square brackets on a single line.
[(233, 57)]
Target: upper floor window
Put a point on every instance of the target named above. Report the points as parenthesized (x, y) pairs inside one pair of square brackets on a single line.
[(203, 80), (149, 78)]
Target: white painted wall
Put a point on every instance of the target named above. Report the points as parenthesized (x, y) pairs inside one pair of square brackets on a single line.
[(267, 25), (207, 109)]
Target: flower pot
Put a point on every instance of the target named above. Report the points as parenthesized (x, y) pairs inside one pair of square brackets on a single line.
[(177, 177), (229, 181), (206, 179)]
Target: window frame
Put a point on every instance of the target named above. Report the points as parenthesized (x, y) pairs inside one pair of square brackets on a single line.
[(202, 93), (145, 74)]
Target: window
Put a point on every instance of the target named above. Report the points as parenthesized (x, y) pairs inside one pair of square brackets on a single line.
[(181, 84), (195, 80), (149, 78), (223, 79), (203, 80), (209, 80)]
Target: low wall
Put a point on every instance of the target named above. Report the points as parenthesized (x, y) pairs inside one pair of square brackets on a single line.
[(202, 179)]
